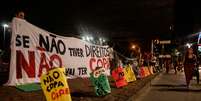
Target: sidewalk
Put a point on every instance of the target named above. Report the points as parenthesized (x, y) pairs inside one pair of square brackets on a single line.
[(175, 81), (170, 87), (81, 90)]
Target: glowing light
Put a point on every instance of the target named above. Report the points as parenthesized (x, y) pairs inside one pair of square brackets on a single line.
[(103, 40), (189, 45), (5, 25), (91, 38), (88, 39), (83, 38), (133, 47)]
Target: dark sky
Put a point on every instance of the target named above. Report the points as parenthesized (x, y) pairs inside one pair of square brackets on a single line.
[(118, 20)]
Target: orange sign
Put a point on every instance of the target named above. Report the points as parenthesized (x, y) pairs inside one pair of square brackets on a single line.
[(119, 77)]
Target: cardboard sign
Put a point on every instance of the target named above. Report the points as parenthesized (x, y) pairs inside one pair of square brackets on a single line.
[(55, 86), (147, 73), (100, 82), (129, 74), (119, 77), (142, 72), (151, 70)]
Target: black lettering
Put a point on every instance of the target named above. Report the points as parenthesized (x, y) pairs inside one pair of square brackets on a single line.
[(81, 53), (26, 41), (70, 71), (51, 86), (53, 46), (18, 42), (61, 44), (87, 48), (93, 50), (77, 52), (51, 79), (55, 84), (55, 75), (54, 36), (48, 89), (82, 70), (44, 42), (71, 51), (46, 80), (60, 84), (107, 51)]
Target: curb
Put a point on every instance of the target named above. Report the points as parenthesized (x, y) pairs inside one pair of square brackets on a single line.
[(144, 88)]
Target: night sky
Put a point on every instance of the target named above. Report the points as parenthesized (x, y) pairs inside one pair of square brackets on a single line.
[(122, 21)]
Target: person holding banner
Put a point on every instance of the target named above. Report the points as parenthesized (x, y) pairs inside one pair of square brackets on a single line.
[(20, 14)]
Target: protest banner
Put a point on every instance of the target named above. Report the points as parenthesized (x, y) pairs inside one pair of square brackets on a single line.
[(34, 51), (55, 85), (119, 77), (129, 74), (100, 82)]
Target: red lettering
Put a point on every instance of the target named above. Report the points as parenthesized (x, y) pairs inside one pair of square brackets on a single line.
[(104, 62), (67, 91), (61, 92), (53, 95), (21, 62), (43, 64), (55, 57), (92, 60), (99, 63)]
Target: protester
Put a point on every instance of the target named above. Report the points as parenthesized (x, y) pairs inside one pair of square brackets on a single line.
[(167, 65), (175, 63), (190, 61), (20, 15), (135, 67)]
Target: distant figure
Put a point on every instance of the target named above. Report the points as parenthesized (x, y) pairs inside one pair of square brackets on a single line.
[(190, 61), (20, 15), (175, 63), (167, 65)]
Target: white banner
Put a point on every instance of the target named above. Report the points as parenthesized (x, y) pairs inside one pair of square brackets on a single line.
[(34, 51)]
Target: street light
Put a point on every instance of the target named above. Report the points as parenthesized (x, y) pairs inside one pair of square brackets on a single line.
[(4, 32), (133, 46)]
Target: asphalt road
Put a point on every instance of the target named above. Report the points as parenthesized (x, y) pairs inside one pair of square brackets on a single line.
[(170, 87)]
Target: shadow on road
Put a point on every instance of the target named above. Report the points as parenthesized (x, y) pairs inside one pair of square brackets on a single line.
[(167, 85), (177, 88), (83, 94)]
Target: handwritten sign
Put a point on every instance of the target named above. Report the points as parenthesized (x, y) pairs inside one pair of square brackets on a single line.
[(147, 73), (34, 51), (119, 77), (151, 70), (55, 86), (100, 82), (129, 74), (142, 72)]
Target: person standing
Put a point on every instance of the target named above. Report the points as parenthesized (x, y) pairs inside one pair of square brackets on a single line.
[(190, 61), (167, 65)]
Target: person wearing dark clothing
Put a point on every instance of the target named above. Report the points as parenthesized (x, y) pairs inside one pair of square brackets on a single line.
[(167, 65), (189, 65)]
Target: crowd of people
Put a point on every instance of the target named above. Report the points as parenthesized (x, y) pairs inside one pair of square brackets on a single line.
[(187, 63)]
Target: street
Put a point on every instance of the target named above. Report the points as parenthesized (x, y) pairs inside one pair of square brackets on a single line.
[(170, 87)]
